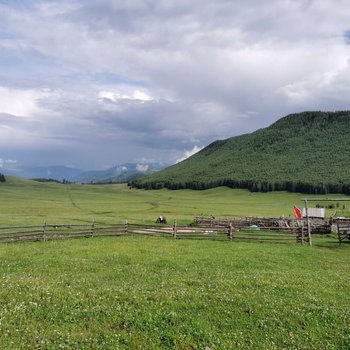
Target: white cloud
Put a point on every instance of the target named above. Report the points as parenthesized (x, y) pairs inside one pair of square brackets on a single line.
[(8, 163), (140, 95), (142, 167), (21, 102), (53, 8), (127, 94), (189, 153)]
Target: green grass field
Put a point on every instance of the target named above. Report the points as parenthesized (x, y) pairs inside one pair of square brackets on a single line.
[(29, 202), (140, 292), (153, 293)]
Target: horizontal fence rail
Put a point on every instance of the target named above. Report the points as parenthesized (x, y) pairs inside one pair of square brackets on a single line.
[(58, 231), (233, 231)]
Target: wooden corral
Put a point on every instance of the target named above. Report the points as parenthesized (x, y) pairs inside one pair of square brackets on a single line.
[(309, 219), (264, 223), (220, 232), (343, 229)]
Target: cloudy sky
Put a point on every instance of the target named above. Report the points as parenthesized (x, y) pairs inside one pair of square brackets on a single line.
[(93, 83)]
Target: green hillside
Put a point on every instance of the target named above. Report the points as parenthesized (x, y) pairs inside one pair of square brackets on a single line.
[(306, 152)]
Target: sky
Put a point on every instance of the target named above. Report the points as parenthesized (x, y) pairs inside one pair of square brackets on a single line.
[(94, 83)]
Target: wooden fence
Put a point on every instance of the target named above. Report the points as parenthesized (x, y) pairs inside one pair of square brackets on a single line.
[(57, 231), (343, 230), (47, 232), (265, 223), (260, 228)]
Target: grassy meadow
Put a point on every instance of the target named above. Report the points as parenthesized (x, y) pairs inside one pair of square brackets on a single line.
[(153, 293), (30, 202), (137, 292)]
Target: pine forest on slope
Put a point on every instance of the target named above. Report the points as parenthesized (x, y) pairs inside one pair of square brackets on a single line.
[(307, 152)]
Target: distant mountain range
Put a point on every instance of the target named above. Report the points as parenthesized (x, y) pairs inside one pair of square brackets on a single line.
[(307, 152), (117, 174)]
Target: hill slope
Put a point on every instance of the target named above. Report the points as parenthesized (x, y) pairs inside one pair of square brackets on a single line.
[(306, 152)]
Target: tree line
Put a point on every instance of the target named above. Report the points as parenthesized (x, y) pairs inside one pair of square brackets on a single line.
[(253, 186)]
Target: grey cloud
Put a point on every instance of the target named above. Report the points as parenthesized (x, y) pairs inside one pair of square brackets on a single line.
[(155, 123), (213, 68)]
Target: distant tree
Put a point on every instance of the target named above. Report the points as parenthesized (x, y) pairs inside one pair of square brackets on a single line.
[(2, 178)]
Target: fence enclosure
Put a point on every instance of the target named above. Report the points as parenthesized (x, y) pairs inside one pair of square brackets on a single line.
[(232, 232), (280, 230)]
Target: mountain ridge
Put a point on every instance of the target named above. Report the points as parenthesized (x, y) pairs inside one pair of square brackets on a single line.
[(301, 152), (119, 173)]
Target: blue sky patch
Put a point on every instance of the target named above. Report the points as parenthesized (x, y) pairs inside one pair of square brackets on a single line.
[(347, 37)]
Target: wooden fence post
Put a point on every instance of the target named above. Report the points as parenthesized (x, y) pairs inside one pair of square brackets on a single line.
[(174, 229), (92, 228), (230, 231), (297, 234), (302, 235), (44, 231), (308, 221), (126, 227)]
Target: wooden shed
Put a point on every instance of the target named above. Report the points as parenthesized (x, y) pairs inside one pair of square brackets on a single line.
[(315, 213)]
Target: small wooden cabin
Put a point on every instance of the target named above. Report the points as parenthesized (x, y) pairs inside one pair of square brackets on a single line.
[(315, 213)]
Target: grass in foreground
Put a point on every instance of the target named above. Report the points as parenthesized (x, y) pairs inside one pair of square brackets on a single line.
[(153, 293)]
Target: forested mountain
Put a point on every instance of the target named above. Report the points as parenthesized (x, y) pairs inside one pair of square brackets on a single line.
[(306, 152)]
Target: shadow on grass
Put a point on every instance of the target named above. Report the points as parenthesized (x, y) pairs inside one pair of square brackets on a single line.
[(329, 242)]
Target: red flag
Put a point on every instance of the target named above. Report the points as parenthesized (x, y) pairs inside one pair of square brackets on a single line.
[(297, 213)]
